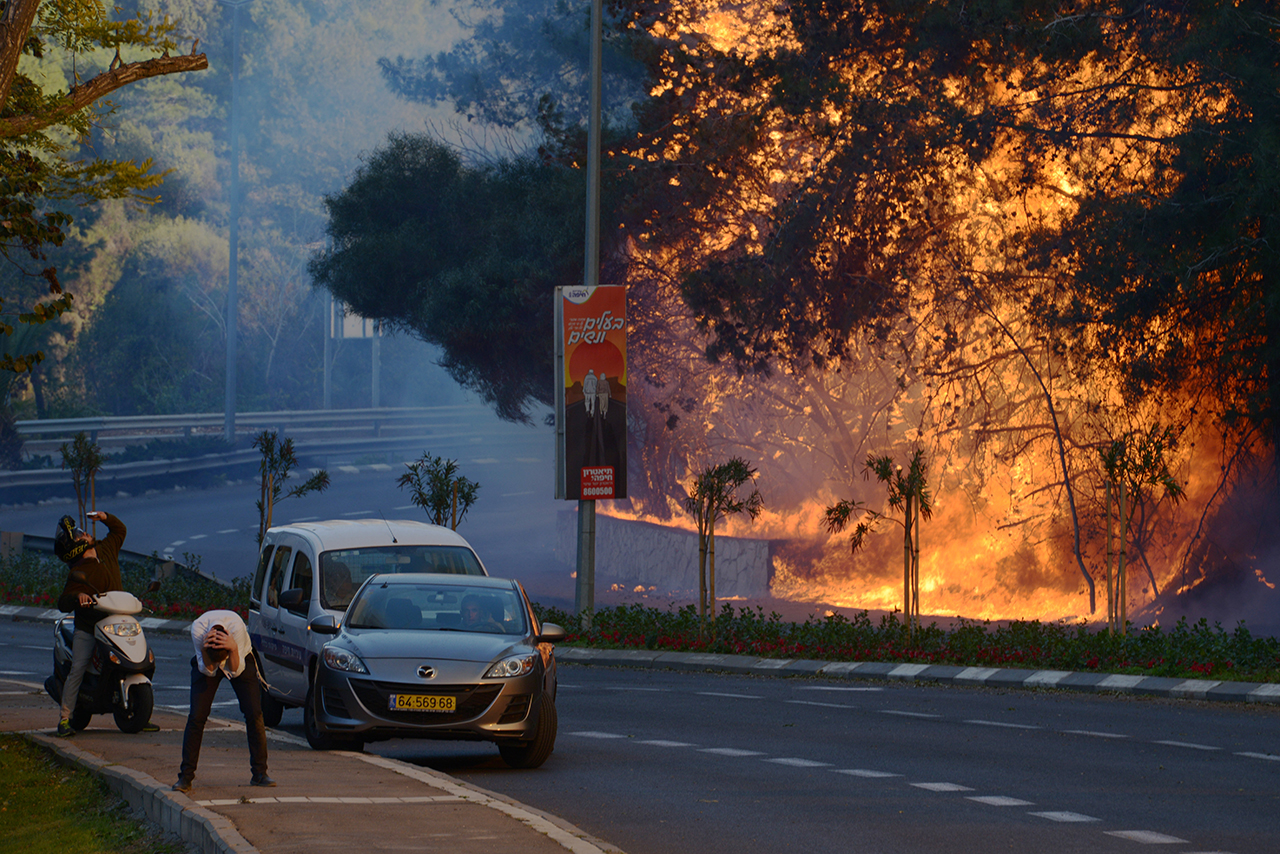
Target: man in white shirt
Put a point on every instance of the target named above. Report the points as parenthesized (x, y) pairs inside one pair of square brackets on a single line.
[(223, 649)]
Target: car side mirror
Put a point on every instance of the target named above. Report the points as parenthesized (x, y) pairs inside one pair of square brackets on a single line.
[(293, 599), (551, 633), (325, 624)]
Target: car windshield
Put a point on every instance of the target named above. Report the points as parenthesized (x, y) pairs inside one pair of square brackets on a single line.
[(343, 571), (438, 606)]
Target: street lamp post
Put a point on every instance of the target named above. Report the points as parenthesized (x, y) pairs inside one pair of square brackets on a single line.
[(229, 425)]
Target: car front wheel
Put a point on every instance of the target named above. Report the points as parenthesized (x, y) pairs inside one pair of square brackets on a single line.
[(317, 736), (532, 753)]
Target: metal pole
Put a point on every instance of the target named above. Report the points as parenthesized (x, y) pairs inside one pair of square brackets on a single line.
[(585, 589), (327, 401), (229, 425), (376, 358)]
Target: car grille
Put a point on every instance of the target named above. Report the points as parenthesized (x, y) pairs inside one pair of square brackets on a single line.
[(517, 709), (473, 700)]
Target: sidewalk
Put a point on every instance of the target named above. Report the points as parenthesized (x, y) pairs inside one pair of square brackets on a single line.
[(324, 800)]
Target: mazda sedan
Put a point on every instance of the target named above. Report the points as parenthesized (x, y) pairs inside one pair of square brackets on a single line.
[(437, 656)]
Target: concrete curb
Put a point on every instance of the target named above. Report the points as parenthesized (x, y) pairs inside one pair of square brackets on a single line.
[(172, 811), (1099, 683)]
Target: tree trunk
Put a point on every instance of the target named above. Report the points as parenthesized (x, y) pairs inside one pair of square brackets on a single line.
[(711, 567)]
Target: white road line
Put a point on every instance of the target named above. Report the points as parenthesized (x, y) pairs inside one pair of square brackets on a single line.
[(197, 536), (732, 696), (229, 531), (304, 519), (358, 513), (1271, 756), (1064, 816), (660, 742), (864, 772), (16, 673), (590, 734), (33, 646), (632, 688), (1003, 724), (823, 705), (1148, 837), (1094, 734), (908, 714), (176, 543), (834, 688), (730, 751), (795, 762), (1189, 744), (1000, 801), (942, 787), (406, 507)]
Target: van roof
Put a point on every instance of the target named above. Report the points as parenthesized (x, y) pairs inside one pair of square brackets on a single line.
[(364, 533)]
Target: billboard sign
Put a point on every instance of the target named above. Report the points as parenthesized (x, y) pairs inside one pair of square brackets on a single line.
[(591, 392)]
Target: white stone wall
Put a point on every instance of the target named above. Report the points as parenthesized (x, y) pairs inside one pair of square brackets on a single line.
[(632, 553)]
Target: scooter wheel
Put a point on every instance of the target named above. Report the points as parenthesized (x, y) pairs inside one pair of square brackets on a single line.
[(141, 702)]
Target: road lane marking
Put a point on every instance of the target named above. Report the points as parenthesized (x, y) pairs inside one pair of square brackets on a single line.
[(732, 696), (1064, 816), (1000, 801), (359, 513), (730, 751), (908, 714), (591, 734), (197, 536), (864, 772), (942, 787), (834, 688), (1271, 756), (795, 762), (1094, 734), (229, 531), (1148, 837), (661, 742), (1003, 724), (1189, 744), (823, 705)]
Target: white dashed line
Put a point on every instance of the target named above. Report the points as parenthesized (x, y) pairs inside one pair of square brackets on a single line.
[(1064, 816), (864, 772), (659, 742), (731, 696), (632, 688), (176, 543), (1271, 756), (1002, 724), (835, 688), (942, 787), (406, 507), (1148, 837), (590, 734), (197, 536), (908, 714), (823, 705), (1093, 734), (730, 751), (1000, 801), (358, 513), (1189, 745), (229, 531), (799, 763)]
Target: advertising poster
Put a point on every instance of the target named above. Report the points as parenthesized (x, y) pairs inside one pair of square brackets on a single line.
[(592, 392)]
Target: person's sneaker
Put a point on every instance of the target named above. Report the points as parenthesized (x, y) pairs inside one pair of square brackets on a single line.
[(150, 727), (262, 780), (65, 729), (183, 785)]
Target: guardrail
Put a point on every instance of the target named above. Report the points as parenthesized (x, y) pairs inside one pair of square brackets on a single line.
[(164, 567)]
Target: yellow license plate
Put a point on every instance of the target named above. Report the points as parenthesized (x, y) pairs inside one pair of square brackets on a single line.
[(421, 703)]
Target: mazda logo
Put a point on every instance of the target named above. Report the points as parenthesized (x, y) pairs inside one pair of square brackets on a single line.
[(426, 671)]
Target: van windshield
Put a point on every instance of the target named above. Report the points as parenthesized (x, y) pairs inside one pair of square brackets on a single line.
[(342, 571)]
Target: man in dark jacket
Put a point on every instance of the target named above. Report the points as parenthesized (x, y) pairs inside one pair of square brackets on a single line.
[(95, 565)]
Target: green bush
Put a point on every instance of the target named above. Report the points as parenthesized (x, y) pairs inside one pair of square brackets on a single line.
[(1192, 651)]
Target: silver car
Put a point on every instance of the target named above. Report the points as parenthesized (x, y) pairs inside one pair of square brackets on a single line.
[(437, 656)]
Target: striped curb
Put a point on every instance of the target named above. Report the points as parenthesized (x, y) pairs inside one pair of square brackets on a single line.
[(998, 677)]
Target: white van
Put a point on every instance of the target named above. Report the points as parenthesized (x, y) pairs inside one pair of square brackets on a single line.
[(310, 569)]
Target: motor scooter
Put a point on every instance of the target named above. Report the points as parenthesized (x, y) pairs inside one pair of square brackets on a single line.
[(118, 678)]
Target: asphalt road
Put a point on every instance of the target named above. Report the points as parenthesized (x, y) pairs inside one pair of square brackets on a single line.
[(659, 761)]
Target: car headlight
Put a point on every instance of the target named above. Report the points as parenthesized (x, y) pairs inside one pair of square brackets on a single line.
[(340, 659), (516, 665), (123, 630)]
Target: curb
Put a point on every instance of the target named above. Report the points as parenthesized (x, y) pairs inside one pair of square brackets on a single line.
[(991, 677), (173, 812)]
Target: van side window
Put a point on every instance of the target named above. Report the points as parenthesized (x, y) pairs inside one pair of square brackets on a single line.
[(277, 575), (301, 578), (255, 592)]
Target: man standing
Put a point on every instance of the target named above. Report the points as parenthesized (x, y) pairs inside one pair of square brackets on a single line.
[(589, 392), (223, 649), (93, 568)]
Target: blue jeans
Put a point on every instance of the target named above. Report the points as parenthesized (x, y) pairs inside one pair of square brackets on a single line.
[(248, 692)]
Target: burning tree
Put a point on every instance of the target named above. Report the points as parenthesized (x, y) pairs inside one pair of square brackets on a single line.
[(714, 496)]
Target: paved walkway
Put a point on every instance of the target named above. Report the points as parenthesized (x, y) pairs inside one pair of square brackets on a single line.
[(324, 801)]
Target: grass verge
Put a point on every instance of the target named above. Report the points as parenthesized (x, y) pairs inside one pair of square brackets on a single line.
[(50, 808)]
